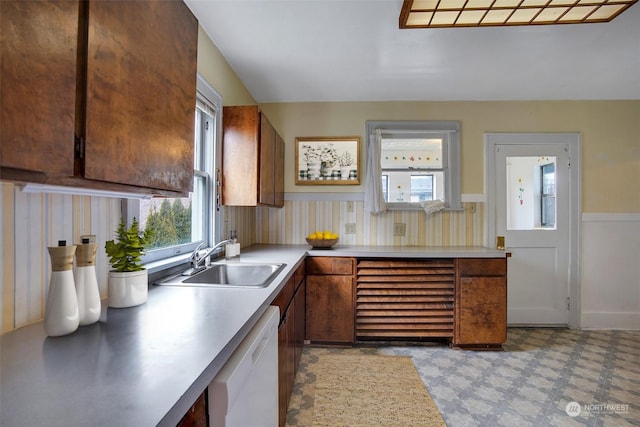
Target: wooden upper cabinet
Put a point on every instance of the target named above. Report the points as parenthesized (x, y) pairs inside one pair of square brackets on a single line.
[(109, 97), (38, 85), (266, 183), (141, 87), (252, 159)]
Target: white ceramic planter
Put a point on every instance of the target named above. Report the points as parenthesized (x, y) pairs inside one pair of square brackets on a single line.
[(127, 289)]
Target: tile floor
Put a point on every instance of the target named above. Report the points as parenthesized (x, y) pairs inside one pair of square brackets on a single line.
[(534, 382)]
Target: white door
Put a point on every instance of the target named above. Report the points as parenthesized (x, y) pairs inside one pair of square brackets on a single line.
[(533, 202)]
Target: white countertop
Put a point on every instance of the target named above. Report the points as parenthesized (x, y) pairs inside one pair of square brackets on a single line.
[(409, 252), (146, 365)]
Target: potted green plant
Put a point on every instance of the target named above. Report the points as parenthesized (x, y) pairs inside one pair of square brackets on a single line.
[(128, 281)]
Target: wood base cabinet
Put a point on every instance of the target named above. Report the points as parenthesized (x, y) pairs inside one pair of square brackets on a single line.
[(291, 302), (481, 303), (198, 414), (330, 311)]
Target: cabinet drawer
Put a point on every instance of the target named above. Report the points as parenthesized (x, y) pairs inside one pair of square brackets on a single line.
[(330, 265), (482, 266)]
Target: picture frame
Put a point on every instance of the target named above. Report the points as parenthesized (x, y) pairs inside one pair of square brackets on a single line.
[(327, 160)]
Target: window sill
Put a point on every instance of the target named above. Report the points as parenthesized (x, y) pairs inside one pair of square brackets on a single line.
[(415, 206)]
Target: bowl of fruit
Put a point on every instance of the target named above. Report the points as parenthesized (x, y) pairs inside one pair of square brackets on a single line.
[(322, 239)]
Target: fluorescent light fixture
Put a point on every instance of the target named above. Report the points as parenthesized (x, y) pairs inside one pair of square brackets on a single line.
[(78, 191), (486, 13)]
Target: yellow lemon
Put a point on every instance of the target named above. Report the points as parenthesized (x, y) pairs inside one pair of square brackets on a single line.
[(312, 236), (326, 235), (334, 236)]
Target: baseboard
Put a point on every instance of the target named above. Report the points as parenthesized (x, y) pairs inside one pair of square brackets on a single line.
[(610, 320)]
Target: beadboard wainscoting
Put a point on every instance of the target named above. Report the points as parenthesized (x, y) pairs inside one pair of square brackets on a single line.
[(610, 271), (29, 223)]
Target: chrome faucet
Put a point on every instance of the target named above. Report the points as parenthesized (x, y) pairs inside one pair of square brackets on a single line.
[(197, 260)]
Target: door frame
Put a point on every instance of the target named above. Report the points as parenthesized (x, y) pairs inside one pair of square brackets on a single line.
[(574, 141)]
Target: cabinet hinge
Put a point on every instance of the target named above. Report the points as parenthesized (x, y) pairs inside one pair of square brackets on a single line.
[(79, 147), (568, 303)]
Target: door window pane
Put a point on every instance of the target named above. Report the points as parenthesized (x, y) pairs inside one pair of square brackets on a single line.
[(530, 198), (548, 195)]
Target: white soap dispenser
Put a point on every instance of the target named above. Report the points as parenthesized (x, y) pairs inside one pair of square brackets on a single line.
[(61, 316), (232, 249)]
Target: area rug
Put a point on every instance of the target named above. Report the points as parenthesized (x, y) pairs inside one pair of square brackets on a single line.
[(370, 390)]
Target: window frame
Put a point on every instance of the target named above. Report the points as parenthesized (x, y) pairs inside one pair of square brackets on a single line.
[(211, 161), (450, 133)]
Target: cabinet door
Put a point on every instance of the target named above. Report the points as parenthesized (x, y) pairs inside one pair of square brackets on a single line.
[(299, 306), (38, 85), (198, 415), (240, 152), (266, 184), (482, 314), (140, 99), (330, 309)]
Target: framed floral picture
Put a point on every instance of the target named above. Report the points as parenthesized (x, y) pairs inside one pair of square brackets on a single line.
[(328, 160)]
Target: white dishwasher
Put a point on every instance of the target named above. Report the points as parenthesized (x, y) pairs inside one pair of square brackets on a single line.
[(245, 391)]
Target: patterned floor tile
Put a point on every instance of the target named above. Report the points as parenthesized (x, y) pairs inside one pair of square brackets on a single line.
[(531, 383)]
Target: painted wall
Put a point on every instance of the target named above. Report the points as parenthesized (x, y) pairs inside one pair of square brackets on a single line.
[(609, 129), (216, 70)]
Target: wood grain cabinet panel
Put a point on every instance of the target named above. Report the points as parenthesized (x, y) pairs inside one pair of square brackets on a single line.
[(481, 303), (99, 94), (141, 87), (252, 159), (38, 86), (198, 414), (330, 265), (330, 305), (291, 301)]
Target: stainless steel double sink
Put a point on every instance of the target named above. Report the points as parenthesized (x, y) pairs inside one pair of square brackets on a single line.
[(229, 274)]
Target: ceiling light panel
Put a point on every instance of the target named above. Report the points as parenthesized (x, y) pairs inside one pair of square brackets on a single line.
[(478, 13)]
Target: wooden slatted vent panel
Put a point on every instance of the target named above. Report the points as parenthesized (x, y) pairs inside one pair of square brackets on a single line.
[(409, 299)]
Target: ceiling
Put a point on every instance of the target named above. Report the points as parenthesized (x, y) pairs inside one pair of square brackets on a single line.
[(353, 50)]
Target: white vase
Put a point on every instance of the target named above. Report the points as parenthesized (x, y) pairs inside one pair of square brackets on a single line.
[(127, 289), (89, 305), (314, 169), (61, 316), (344, 172)]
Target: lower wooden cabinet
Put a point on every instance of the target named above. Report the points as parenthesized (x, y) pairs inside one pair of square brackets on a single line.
[(481, 303), (198, 414), (291, 301), (330, 305)]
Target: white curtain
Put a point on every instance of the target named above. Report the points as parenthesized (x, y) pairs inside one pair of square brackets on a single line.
[(373, 197)]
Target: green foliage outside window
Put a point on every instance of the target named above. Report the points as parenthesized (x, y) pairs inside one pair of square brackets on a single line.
[(171, 224)]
